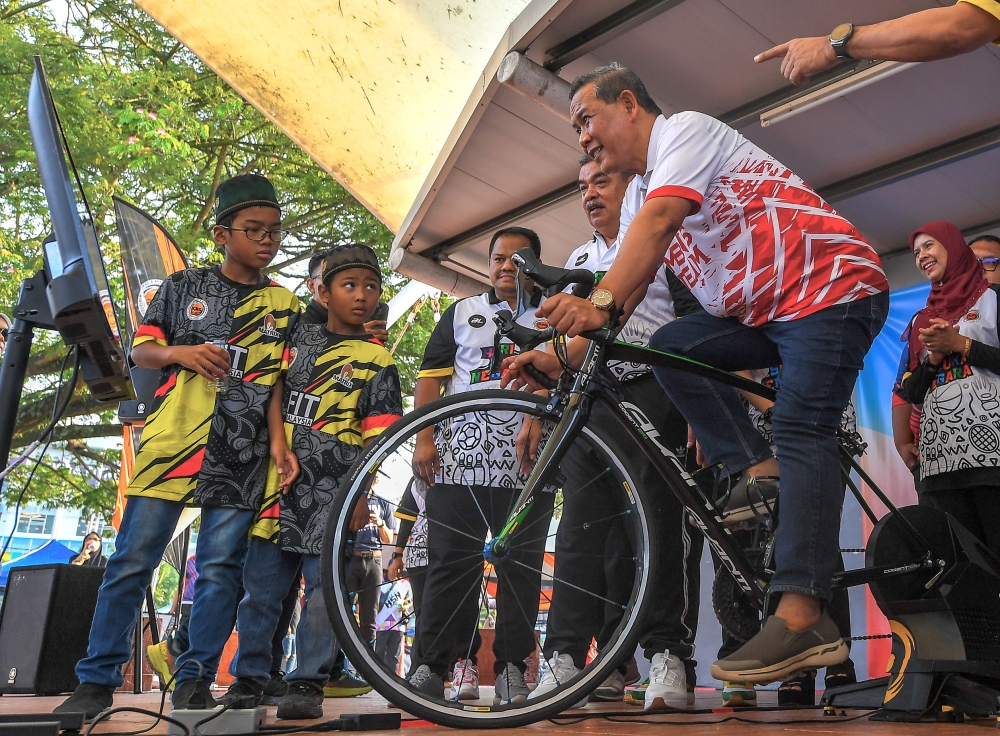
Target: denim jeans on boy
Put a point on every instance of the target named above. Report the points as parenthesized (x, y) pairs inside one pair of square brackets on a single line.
[(269, 572), (820, 355), (145, 532)]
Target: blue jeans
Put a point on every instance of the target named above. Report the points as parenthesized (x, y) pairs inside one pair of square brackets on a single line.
[(142, 539), (820, 355), (269, 572)]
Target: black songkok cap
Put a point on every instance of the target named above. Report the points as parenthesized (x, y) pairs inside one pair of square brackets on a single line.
[(342, 257), (240, 192)]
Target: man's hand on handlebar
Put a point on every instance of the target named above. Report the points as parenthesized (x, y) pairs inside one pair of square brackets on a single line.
[(571, 315), (515, 377)]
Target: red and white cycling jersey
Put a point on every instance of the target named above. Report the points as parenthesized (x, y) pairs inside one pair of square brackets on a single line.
[(759, 245)]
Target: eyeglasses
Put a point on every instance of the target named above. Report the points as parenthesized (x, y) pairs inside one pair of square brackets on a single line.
[(256, 234), (989, 263)]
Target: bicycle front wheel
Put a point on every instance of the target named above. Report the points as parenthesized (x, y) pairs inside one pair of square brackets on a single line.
[(572, 575)]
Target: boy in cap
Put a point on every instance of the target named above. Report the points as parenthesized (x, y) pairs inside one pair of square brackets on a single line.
[(218, 335), (340, 390)]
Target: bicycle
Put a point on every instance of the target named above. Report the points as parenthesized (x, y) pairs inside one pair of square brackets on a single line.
[(492, 555)]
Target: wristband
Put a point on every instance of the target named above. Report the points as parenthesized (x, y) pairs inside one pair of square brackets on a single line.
[(396, 555), (968, 347)]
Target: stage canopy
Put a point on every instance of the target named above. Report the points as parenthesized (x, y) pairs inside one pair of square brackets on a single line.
[(50, 553), (369, 89), (918, 145)]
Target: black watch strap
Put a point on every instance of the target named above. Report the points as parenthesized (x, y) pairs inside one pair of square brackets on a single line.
[(839, 38)]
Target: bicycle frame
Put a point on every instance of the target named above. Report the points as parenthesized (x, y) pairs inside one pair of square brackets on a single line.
[(573, 406)]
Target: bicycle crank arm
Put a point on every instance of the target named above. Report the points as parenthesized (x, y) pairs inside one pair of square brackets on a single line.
[(865, 575)]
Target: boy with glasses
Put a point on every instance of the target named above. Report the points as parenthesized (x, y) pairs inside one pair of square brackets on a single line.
[(218, 335)]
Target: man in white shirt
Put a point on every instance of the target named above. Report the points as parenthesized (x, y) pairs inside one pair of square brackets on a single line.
[(784, 280), (577, 613)]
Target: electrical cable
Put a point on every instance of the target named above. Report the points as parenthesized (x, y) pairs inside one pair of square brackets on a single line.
[(49, 427), (58, 409), (639, 718), (106, 714), (72, 164)]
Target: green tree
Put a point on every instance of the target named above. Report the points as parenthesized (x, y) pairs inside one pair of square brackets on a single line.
[(146, 121)]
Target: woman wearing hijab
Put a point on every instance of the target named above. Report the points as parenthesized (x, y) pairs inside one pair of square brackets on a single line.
[(953, 370), (91, 553)]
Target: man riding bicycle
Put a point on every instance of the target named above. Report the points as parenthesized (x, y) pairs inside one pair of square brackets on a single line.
[(784, 280)]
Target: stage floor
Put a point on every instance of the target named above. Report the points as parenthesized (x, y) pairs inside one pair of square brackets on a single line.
[(715, 723)]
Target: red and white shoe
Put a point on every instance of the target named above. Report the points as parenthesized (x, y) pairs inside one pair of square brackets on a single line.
[(465, 681)]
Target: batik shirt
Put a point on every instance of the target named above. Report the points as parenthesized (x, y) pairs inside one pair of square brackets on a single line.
[(412, 507), (340, 390), (200, 445), (477, 448), (960, 421)]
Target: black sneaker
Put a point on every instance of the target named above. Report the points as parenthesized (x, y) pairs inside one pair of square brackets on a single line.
[(192, 695), (777, 652), (88, 698), (243, 693), (427, 682), (275, 688), (302, 702)]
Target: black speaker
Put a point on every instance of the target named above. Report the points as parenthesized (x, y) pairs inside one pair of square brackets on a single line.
[(45, 625)]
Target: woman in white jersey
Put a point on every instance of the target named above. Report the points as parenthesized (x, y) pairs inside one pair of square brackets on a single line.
[(953, 353)]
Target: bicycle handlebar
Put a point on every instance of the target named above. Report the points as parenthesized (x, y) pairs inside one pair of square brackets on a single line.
[(553, 278)]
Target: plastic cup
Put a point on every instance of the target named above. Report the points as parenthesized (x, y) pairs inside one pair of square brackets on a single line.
[(219, 384)]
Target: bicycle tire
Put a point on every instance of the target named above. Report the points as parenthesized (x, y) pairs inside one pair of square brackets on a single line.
[(461, 714)]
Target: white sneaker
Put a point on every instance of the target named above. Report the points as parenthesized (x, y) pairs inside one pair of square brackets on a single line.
[(667, 683), (612, 689), (553, 673), (465, 681)]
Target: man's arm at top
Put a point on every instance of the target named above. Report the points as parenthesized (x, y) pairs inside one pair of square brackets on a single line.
[(929, 35)]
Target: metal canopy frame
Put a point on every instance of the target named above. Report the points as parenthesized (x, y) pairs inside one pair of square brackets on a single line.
[(537, 36)]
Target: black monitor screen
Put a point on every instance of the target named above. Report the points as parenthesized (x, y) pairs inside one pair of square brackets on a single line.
[(78, 292)]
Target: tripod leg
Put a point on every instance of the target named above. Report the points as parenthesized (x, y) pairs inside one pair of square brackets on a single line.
[(137, 656)]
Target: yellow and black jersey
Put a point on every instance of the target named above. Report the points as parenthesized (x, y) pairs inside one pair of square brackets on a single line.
[(340, 390), (200, 445)]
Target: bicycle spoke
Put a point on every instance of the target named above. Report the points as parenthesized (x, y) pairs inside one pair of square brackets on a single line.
[(472, 556), (483, 600), (479, 508), (571, 585), (509, 588), (454, 612), (582, 525), (562, 503)]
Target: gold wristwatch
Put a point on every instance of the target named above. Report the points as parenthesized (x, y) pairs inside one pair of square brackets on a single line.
[(604, 300), (839, 38)]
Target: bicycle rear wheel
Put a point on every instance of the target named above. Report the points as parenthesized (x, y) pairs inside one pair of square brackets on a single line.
[(469, 582)]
